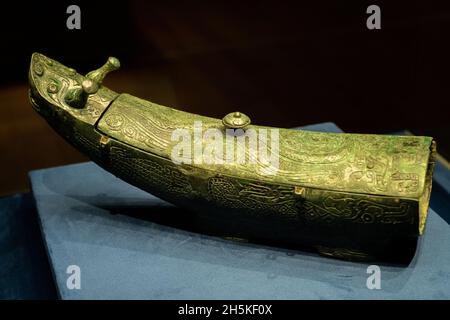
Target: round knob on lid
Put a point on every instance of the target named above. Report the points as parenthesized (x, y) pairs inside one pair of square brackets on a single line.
[(236, 120)]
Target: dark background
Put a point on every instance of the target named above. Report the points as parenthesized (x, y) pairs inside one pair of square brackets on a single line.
[(284, 64)]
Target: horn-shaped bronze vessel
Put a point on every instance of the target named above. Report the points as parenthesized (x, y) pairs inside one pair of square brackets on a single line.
[(350, 196)]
